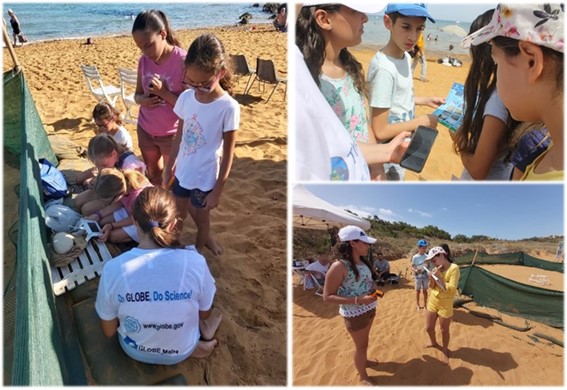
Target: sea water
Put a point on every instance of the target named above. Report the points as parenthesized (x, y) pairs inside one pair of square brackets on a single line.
[(48, 21), (375, 35)]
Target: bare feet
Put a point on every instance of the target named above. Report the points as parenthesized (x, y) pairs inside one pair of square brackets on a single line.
[(209, 326), (214, 246), (204, 349)]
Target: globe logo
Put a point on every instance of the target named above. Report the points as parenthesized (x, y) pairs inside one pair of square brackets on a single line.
[(132, 325), (120, 298)]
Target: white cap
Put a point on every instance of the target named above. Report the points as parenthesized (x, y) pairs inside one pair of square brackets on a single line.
[(434, 252), (351, 233), (370, 7)]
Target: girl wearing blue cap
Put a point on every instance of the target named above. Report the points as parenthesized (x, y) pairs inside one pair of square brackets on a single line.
[(349, 283)]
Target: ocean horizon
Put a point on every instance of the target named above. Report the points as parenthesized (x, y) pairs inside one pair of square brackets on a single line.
[(52, 21)]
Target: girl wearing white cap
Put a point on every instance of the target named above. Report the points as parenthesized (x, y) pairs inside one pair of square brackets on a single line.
[(527, 43), (323, 34), (348, 284), (443, 283)]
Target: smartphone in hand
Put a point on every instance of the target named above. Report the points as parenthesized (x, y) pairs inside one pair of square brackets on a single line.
[(418, 150)]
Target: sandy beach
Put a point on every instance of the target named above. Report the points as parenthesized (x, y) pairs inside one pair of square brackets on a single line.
[(250, 222), (443, 163), (482, 352)]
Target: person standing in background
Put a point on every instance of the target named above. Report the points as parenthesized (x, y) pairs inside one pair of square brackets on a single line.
[(419, 56), (16, 28)]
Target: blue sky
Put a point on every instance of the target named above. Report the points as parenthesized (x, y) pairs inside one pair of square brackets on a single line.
[(512, 211)]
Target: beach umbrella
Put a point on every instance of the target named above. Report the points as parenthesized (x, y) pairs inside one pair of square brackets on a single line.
[(312, 212), (455, 29)]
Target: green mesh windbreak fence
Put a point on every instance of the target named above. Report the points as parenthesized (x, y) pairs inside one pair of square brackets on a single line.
[(508, 296), (20, 113), (37, 341), (519, 258)]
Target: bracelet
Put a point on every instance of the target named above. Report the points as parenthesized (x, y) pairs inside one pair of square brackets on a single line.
[(356, 300)]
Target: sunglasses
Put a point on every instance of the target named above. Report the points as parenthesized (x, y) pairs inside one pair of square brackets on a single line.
[(203, 87)]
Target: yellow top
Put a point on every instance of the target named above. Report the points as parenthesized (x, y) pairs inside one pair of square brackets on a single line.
[(451, 277), (420, 43), (531, 175)]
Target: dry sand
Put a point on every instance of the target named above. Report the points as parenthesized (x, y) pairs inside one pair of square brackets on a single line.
[(250, 222), (443, 163), (482, 352)]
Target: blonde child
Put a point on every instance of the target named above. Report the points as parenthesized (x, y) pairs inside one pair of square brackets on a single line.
[(104, 152), (122, 189), (160, 81), (107, 119), (159, 264), (209, 118), (527, 42)]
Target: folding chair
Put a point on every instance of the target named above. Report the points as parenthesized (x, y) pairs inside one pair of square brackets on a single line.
[(128, 80), (318, 286), (101, 92), (241, 68), (266, 73)]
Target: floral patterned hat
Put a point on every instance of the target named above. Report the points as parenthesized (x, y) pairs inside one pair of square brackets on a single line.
[(541, 24)]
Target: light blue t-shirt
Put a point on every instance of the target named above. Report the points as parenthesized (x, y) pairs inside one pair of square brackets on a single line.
[(391, 86), (418, 261)]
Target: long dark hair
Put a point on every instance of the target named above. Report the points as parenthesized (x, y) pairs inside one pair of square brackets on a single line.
[(309, 39), (345, 251), (479, 86), (153, 21), (208, 54)]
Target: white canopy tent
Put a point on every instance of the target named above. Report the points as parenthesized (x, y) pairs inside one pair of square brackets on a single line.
[(312, 212)]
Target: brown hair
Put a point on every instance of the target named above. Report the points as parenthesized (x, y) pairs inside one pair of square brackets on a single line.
[(345, 251), (208, 54), (156, 214), (309, 39), (102, 145), (112, 182), (105, 111), (153, 21)]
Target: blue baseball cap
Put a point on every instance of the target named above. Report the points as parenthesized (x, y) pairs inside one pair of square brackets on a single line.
[(422, 243), (405, 9)]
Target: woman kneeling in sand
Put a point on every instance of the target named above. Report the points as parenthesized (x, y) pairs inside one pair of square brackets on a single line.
[(349, 283), (159, 296), (443, 283)]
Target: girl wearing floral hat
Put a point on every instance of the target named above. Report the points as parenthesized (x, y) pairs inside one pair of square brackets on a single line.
[(527, 46), (443, 283)]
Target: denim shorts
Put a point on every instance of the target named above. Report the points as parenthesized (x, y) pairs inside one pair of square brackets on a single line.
[(421, 284), (196, 195)]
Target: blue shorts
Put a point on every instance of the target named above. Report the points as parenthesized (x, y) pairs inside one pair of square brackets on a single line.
[(196, 195), (421, 284)]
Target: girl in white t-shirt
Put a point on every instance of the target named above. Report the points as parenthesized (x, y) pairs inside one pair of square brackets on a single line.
[(159, 296), (107, 120), (203, 148)]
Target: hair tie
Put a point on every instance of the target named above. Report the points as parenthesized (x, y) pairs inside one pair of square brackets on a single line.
[(154, 223)]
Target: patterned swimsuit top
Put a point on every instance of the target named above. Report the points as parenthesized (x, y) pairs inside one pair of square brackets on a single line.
[(351, 287)]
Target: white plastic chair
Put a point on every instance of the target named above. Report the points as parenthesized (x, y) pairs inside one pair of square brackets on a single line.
[(128, 79), (101, 92)]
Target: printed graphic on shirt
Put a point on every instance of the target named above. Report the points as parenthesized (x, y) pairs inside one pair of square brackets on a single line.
[(193, 136), (155, 296)]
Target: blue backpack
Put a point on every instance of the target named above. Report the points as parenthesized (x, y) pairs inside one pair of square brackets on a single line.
[(53, 182)]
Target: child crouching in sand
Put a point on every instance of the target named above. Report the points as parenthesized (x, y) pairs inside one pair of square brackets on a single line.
[(122, 188), (527, 43), (209, 118), (179, 280)]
